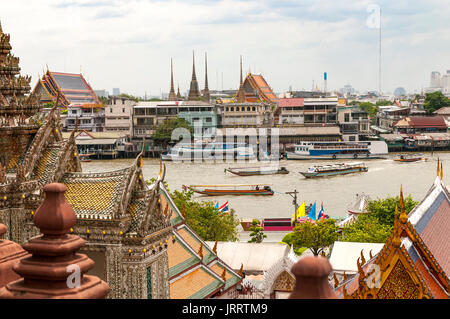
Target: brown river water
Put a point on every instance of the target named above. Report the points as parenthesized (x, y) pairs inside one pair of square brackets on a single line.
[(337, 192)]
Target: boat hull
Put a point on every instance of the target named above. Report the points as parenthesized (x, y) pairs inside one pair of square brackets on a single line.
[(407, 160), (214, 192), (253, 173), (294, 156), (342, 172)]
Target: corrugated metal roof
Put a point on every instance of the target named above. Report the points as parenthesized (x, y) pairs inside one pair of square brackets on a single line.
[(344, 254)]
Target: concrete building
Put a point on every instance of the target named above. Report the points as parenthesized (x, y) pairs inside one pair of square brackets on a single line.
[(118, 113), (148, 115), (290, 111), (249, 114), (353, 122)]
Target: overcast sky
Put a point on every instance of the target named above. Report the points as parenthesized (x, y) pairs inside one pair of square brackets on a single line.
[(128, 43)]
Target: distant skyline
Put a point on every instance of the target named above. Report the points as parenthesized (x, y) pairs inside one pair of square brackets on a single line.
[(128, 44)]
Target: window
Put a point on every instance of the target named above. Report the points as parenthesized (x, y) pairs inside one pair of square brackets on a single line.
[(208, 120), (253, 108), (346, 117), (123, 110), (110, 110)]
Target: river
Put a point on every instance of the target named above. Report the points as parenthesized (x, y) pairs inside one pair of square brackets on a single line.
[(337, 193)]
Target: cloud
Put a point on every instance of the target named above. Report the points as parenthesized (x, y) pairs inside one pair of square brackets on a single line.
[(128, 44)]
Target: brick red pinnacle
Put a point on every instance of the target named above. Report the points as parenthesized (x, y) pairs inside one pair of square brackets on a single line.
[(311, 279), (45, 273)]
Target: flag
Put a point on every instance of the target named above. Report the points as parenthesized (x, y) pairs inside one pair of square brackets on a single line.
[(224, 207), (300, 212), (312, 212), (321, 214), (217, 206)]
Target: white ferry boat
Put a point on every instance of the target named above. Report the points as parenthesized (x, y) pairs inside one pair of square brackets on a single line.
[(338, 150), (209, 151)]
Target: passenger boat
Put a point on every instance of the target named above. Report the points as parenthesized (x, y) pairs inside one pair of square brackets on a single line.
[(338, 150), (262, 170), (209, 151), (84, 157), (409, 158), (335, 169), (232, 189)]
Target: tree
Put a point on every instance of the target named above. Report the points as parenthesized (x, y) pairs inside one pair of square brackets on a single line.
[(257, 232), (383, 209), (315, 236), (163, 133), (205, 219), (434, 101), (366, 229)]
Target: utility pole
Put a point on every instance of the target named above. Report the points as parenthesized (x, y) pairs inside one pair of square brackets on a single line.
[(294, 202)]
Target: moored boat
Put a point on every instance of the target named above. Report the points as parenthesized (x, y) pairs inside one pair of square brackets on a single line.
[(84, 157), (335, 169), (409, 158), (232, 189), (262, 170)]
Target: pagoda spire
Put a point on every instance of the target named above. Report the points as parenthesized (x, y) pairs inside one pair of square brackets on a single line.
[(194, 92), (241, 93), (179, 98), (206, 95), (172, 96)]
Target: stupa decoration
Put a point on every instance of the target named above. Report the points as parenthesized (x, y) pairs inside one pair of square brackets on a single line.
[(172, 96), (206, 94), (413, 263), (10, 254), (55, 269), (33, 150)]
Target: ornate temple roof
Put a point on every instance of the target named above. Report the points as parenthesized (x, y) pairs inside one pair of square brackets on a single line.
[(195, 271), (73, 88), (413, 263), (256, 89)]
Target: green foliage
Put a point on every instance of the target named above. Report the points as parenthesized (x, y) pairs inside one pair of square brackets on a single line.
[(434, 101), (315, 236), (257, 232), (205, 219), (376, 225), (64, 111), (366, 229), (128, 96), (163, 133), (383, 103), (103, 100), (383, 209)]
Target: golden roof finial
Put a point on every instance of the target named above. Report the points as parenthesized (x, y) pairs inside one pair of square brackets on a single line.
[(336, 281), (396, 238), (183, 211), (370, 254), (363, 260), (442, 171), (224, 274), (215, 247), (402, 203), (200, 251), (437, 171), (345, 276), (241, 270), (160, 167)]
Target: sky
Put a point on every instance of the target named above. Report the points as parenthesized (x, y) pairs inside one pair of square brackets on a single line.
[(129, 43)]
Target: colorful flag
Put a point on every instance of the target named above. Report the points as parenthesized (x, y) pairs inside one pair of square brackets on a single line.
[(217, 206), (299, 213), (224, 207), (312, 212), (321, 213)]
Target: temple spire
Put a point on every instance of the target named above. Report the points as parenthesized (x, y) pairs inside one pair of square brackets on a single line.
[(178, 94), (241, 93), (172, 96), (206, 95), (194, 92), (240, 83)]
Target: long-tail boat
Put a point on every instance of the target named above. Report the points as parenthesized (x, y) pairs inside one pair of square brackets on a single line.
[(409, 158), (261, 170), (232, 189), (335, 169)]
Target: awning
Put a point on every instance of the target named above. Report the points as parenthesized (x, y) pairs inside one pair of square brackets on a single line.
[(378, 129), (97, 141)]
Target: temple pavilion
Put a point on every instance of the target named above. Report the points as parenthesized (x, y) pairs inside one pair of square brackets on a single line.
[(414, 263), (135, 235)]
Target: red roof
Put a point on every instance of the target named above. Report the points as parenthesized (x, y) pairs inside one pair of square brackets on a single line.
[(422, 122), (290, 102)]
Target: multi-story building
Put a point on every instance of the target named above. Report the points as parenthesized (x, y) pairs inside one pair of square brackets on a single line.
[(421, 124), (89, 118), (148, 115), (353, 122), (245, 114), (290, 111), (320, 110), (118, 113), (387, 116)]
